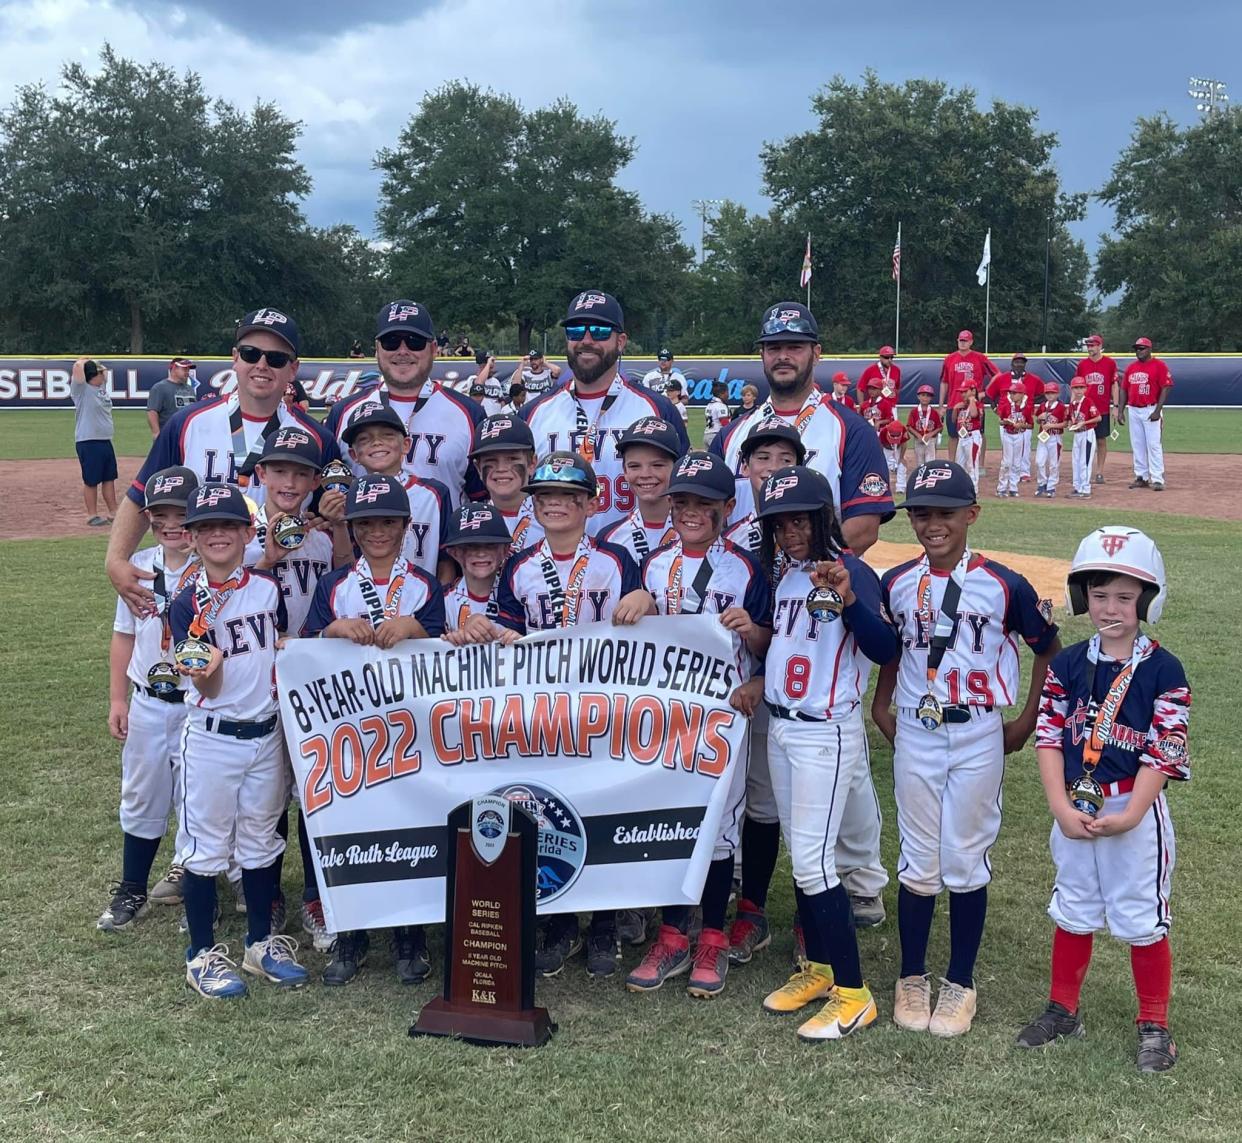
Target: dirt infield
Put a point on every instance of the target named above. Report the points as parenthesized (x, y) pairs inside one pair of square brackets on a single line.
[(42, 499)]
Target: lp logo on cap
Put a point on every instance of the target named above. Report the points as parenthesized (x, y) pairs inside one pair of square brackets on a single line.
[(210, 497), (928, 477), (777, 487), (269, 317), (372, 492), (588, 301), (402, 313)]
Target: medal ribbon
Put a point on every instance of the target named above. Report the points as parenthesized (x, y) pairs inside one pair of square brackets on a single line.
[(946, 620), (565, 600), (208, 603), (426, 391), (1102, 717), (163, 600), (366, 584), (673, 593), (641, 544), (804, 414), (590, 432), (237, 428)]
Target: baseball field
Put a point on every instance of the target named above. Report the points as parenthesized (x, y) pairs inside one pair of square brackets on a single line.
[(99, 1038)]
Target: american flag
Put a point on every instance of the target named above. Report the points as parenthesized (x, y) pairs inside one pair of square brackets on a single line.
[(897, 256), (805, 279)]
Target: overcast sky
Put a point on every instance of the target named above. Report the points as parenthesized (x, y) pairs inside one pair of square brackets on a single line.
[(700, 84)]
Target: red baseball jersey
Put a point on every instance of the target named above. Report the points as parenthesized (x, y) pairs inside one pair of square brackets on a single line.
[(1028, 383), (1099, 376), (893, 434), (1144, 380), (960, 368), (879, 409), (924, 420), (1053, 413), (844, 399), (972, 424), (892, 381), (1082, 410), (1011, 404)]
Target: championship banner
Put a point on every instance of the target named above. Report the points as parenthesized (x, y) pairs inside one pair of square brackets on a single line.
[(618, 740)]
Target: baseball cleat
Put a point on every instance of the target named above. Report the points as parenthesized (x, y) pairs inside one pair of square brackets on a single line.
[(349, 955), (868, 911), (1157, 486), (1054, 1023), (603, 953), (848, 1010), (632, 925), (1099, 478), (313, 925), (955, 1010), (561, 940), (280, 912), (1156, 1050), (213, 975), (912, 1003), (167, 890), (1138, 482), (409, 952), (810, 983), (749, 932), (272, 958), (129, 903), (668, 956), (710, 965)]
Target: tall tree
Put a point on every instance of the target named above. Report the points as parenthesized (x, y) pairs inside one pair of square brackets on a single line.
[(926, 156), (495, 212), (1177, 252)]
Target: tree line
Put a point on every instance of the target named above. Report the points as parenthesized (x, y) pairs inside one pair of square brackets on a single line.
[(139, 214)]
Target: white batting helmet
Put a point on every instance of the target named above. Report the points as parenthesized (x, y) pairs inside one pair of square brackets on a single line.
[(1124, 551)]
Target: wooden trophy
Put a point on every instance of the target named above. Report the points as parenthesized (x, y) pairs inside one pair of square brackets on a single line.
[(489, 960)]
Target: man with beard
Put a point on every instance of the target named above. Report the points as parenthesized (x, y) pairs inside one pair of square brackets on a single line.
[(845, 449), (588, 415), (439, 422)]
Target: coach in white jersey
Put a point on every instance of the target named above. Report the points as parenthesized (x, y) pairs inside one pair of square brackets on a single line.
[(439, 422), (839, 443), (219, 440), (589, 414), (535, 375)]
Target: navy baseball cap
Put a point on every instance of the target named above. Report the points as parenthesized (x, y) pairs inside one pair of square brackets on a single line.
[(502, 432), (376, 496), (793, 489), (407, 316), (594, 307), (664, 355), (939, 484), (293, 443), (653, 431), (703, 474), (788, 321), (774, 429), (477, 524), (217, 502), (172, 486), (272, 320), (561, 470), (369, 416)]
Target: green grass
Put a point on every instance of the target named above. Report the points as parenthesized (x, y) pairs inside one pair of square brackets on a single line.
[(39, 433), (99, 1039)]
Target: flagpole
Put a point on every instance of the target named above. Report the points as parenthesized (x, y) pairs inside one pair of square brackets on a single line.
[(987, 310), (897, 330)]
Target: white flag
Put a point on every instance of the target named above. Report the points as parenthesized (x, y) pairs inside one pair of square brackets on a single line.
[(986, 261)]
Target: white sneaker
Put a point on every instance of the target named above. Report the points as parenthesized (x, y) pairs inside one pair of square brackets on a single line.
[(955, 1010), (912, 1003)]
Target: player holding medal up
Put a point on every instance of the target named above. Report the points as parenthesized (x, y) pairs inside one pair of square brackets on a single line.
[(1111, 735), (827, 617), (960, 617)]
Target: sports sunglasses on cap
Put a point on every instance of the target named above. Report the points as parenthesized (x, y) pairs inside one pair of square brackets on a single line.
[(276, 358), (566, 474), (393, 340), (597, 332), (787, 325)]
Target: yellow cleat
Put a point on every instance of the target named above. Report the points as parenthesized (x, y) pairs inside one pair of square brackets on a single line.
[(847, 1010), (811, 982)]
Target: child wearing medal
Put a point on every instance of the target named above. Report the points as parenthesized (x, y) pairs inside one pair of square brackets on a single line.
[(649, 449), (148, 722), (478, 542), (1111, 736), (924, 424), (504, 454), (699, 573), (827, 618), (380, 600), (960, 617), (235, 780), (1051, 419), (565, 579)]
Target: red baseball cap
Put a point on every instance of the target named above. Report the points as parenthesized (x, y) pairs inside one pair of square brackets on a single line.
[(925, 389), (1078, 382), (1094, 339), (875, 383), (1145, 342), (840, 375), (1052, 387), (965, 335), (886, 351)]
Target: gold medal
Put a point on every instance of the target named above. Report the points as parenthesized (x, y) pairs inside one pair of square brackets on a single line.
[(1044, 436), (192, 653), (163, 678), (824, 604), (929, 712), (336, 476), (1086, 795), (289, 532)]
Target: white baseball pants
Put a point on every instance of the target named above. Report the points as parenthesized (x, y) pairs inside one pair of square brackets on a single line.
[(1011, 466), (1147, 443), (896, 470), (1048, 462), (923, 453), (150, 764), (968, 446), (1084, 448)]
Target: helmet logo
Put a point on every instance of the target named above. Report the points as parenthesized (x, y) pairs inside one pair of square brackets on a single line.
[(1112, 543)]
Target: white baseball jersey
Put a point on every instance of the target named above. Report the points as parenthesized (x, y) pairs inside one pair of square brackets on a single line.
[(342, 594), (839, 444), (298, 573), (655, 379), (586, 585), (535, 383), (592, 427), (244, 626), (637, 537), (980, 665), (214, 438), (523, 526), (148, 632), (715, 417), (440, 424), (429, 521), (745, 533), (460, 603)]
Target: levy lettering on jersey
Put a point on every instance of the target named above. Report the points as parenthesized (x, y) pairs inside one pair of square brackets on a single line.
[(723, 601), (976, 625), (430, 441), (419, 534), (576, 439), (212, 472), (304, 573), (238, 632), (589, 300), (598, 599), (787, 616)]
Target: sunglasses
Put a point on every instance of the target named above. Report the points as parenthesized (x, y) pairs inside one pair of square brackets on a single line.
[(597, 332), (394, 341), (567, 474), (790, 325), (276, 358)]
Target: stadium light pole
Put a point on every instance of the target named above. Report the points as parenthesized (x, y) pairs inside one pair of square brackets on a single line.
[(1209, 95), (705, 207)]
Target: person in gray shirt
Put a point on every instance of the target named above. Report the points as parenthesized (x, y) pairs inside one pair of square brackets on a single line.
[(167, 396), (92, 435)]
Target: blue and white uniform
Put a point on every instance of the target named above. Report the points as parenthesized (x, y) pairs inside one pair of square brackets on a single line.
[(637, 537), (430, 508), (589, 582), (522, 525), (298, 573), (351, 592)]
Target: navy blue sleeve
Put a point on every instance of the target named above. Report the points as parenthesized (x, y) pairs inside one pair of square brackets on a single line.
[(865, 489), (864, 617), (320, 614), (431, 614), (631, 577), (181, 613), (165, 452), (1026, 614), (510, 612), (442, 495), (282, 613), (757, 602)]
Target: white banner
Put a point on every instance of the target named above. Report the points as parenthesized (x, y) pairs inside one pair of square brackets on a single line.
[(619, 740)]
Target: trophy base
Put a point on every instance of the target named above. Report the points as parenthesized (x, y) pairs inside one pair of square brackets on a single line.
[(525, 1028)]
